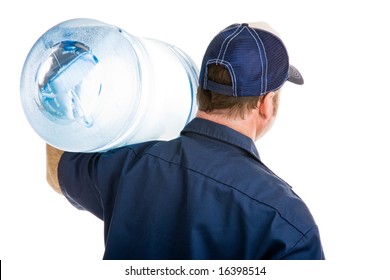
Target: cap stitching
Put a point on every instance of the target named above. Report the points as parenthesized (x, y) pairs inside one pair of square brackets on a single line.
[(221, 55), (230, 68), (228, 43), (264, 83), (228, 38)]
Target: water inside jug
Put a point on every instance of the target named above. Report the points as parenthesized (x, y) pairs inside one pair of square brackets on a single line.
[(87, 86)]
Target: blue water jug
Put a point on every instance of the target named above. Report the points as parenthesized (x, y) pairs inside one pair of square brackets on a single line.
[(88, 86)]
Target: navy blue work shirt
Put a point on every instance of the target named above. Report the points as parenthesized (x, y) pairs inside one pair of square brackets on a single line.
[(204, 195)]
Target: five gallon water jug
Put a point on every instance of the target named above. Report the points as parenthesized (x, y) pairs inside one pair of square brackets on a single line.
[(87, 86)]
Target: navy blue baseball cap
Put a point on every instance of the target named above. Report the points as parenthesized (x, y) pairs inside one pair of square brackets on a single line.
[(255, 58)]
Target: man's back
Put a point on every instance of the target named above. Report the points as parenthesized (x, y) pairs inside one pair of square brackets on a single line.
[(205, 195)]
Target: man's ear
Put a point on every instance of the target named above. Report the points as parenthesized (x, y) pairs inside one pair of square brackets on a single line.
[(266, 107)]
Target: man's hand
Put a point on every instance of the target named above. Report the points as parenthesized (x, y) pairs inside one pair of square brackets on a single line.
[(53, 157)]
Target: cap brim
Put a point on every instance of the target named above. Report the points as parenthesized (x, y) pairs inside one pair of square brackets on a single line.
[(294, 76)]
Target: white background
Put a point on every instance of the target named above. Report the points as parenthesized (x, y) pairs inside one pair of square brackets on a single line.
[(330, 141)]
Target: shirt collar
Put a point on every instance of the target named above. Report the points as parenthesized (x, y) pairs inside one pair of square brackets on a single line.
[(222, 133)]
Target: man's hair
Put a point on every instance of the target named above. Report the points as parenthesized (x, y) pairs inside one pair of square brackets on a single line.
[(209, 101)]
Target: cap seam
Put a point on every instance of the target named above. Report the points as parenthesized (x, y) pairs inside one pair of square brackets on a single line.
[(222, 59), (230, 68), (260, 75), (263, 82), (234, 35), (223, 43)]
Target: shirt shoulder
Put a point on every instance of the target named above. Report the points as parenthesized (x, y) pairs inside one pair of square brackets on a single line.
[(236, 170)]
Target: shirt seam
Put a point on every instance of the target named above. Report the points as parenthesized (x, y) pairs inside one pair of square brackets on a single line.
[(299, 240), (229, 186), (225, 135)]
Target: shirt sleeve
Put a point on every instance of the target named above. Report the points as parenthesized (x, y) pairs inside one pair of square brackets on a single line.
[(307, 248), (90, 180)]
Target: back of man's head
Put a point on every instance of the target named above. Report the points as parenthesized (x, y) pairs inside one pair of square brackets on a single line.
[(242, 64), (214, 102)]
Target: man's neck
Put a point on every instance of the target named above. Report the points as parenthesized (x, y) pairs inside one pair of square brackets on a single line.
[(246, 126)]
